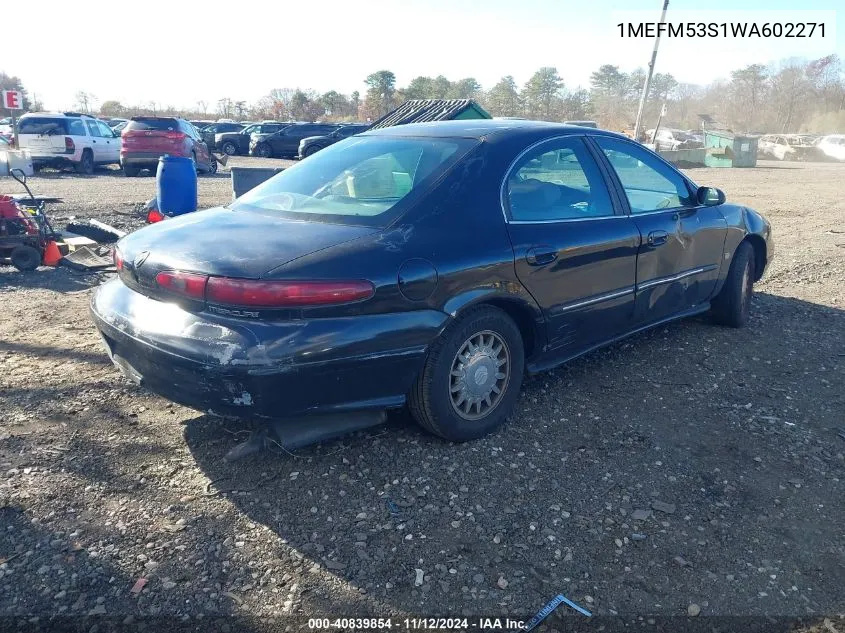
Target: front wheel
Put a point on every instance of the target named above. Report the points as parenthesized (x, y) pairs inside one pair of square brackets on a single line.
[(472, 376), (732, 305), (229, 148), (212, 165), (263, 151)]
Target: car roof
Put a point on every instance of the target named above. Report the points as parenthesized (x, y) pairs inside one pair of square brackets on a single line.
[(487, 128), (56, 115)]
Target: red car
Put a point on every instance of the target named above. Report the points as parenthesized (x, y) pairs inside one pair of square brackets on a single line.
[(145, 139)]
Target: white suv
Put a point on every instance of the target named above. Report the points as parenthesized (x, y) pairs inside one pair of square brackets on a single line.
[(68, 140)]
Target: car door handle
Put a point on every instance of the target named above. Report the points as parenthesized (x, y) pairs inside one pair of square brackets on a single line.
[(657, 238), (540, 256)]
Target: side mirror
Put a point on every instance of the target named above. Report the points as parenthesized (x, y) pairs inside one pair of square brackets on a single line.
[(710, 196)]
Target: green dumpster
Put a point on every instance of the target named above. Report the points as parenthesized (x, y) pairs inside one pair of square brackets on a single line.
[(724, 149)]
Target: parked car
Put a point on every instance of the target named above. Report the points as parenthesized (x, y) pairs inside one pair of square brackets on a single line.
[(425, 264), (200, 125), (145, 139), (671, 139), (68, 139), (210, 132), (788, 147), (832, 147), (285, 142), (6, 125), (112, 123), (237, 143), (591, 124), (313, 144)]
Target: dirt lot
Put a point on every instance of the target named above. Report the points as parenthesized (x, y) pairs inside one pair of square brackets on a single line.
[(689, 468)]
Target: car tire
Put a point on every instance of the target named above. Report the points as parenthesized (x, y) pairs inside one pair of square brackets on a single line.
[(25, 258), (263, 150), (130, 171), (229, 148), (194, 160), (733, 303), (311, 151), (86, 163), (469, 344), (212, 165)]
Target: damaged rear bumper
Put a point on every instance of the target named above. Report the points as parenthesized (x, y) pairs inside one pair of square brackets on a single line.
[(261, 369)]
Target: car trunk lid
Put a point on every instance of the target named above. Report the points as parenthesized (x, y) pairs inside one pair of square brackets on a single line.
[(223, 243)]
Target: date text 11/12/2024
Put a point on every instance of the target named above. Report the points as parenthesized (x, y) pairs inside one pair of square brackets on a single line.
[(417, 624)]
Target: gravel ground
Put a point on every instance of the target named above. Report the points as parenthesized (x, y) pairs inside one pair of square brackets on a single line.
[(692, 469)]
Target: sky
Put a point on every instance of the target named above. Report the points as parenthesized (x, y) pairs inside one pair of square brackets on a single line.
[(177, 53)]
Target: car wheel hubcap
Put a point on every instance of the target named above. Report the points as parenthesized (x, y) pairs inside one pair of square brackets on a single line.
[(479, 375), (746, 286)]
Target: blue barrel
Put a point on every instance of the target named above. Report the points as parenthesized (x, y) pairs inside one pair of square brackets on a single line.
[(176, 185)]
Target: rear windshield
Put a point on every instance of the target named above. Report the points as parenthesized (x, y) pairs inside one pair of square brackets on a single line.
[(360, 180), (153, 124), (43, 125)]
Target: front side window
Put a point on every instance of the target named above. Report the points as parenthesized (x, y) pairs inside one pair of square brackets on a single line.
[(649, 183), (356, 181), (75, 127), (558, 180)]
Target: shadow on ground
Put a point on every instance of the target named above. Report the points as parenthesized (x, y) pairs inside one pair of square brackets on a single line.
[(688, 464)]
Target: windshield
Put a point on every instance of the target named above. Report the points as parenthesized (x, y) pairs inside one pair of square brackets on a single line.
[(360, 180)]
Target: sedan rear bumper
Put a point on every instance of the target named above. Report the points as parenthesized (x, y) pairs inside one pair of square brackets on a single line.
[(260, 369)]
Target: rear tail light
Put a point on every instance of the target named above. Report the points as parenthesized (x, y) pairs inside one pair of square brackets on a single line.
[(284, 294), (263, 294), (118, 259), (188, 285), (69, 145), (175, 136)]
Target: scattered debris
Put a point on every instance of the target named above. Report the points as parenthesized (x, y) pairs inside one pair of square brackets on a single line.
[(100, 232), (543, 613), (660, 506), (87, 259), (138, 586), (693, 610), (418, 581)]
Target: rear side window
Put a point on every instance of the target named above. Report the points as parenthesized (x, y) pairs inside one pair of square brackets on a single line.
[(93, 129), (45, 125), (152, 124), (557, 181)]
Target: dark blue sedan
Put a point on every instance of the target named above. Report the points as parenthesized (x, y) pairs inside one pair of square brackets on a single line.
[(426, 265)]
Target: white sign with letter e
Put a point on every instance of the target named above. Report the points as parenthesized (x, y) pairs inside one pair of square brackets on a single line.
[(13, 99)]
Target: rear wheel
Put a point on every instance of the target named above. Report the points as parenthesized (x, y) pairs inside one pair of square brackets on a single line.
[(471, 378), (25, 258), (86, 163), (263, 150), (130, 171), (229, 148), (733, 303), (311, 151), (212, 164)]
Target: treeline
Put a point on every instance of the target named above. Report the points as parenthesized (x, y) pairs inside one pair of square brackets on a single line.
[(792, 95)]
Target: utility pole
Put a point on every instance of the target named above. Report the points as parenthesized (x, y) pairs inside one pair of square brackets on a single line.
[(647, 81)]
